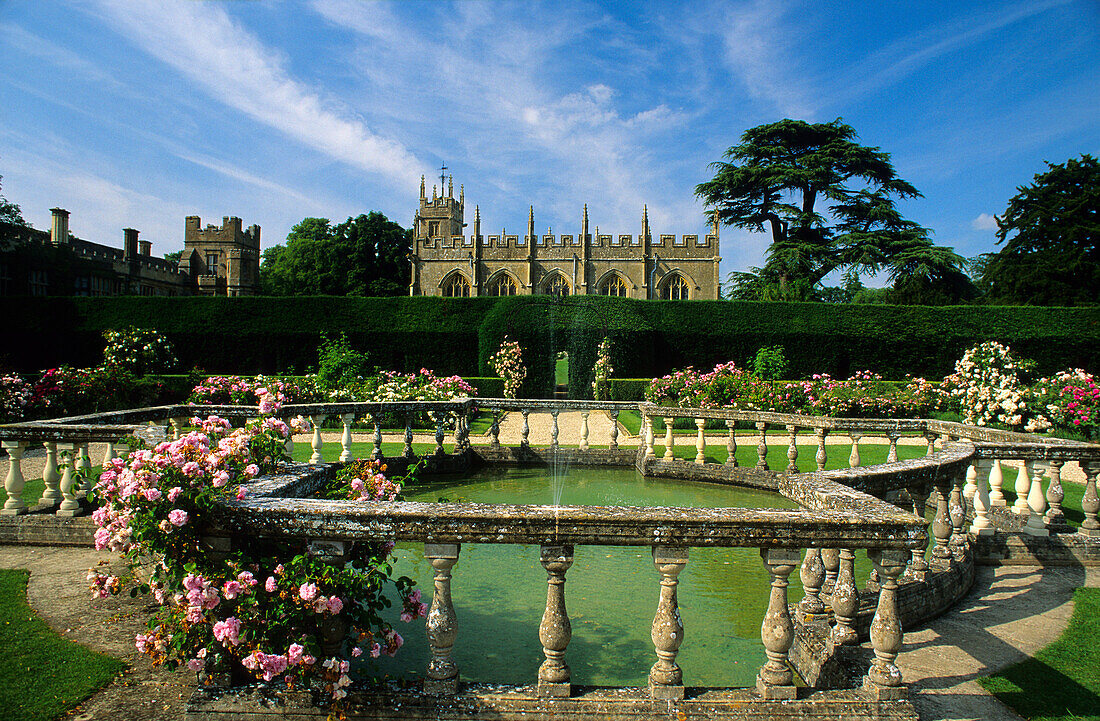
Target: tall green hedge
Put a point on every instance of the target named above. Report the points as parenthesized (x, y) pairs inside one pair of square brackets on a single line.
[(457, 336)]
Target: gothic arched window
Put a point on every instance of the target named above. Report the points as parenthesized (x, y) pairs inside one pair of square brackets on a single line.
[(676, 289), (616, 286), (504, 285), (456, 287), (558, 285)]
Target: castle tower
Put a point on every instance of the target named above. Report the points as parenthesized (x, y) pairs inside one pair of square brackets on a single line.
[(440, 216)]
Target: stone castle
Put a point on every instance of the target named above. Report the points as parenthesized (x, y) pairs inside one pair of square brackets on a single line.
[(446, 262), (216, 260)]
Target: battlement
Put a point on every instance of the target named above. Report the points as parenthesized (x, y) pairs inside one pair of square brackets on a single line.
[(231, 231)]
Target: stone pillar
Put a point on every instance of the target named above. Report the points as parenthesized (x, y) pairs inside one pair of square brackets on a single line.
[(345, 438), (554, 428), (996, 483), (812, 576), (1036, 501), (69, 505), (84, 470), (853, 458), (845, 601), (614, 445), (971, 481), (494, 431), (892, 455), (441, 624), (649, 452), (376, 452), (177, 426), (956, 511), (775, 680), (51, 476), (762, 446), (830, 559), (317, 444), (822, 457), (981, 526), (407, 452), (792, 449), (700, 442), (918, 567), (583, 445), (1023, 487), (883, 680), (1090, 502), (669, 455), (555, 630), (941, 526), (731, 444), (931, 438), (1055, 517), (14, 482), (525, 441), (666, 680)]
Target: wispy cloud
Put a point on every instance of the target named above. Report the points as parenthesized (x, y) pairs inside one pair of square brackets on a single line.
[(232, 171), (984, 221), (760, 49), (203, 43)]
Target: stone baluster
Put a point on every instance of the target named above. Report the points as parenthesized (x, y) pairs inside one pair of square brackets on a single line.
[(1023, 487), (317, 444), (494, 431), (583, 445), (14, 482), (1090, 502), (407, 451), (931, 438), (439, 434), (941, 525), (762, 446), (554, 428), (84, 471), (69, 505), (1036, 500), (792, 449), (177, 426), (109, 453), (666, 680), (376, 452), (525, 439), (957, 513), (441, 624), (830, 559), (918, 566), (345, 438), (463, 431), (669, 455), (700, 442), (981, 526), (51, 476), (649, 452), (731, 444), (996, 484), (883, 680), (812, 575), (775, 680), (971, 486), (1055, 517), (892, 454), (845, 601), (555, 630), (822, 457), (614, 445), (853, 458)]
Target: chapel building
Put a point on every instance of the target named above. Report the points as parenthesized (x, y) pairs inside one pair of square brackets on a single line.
[(447, 262)]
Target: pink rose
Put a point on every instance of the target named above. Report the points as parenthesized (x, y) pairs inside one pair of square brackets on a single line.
[(231, 590), (308, 591), (241, 492), (270, 584), (228, 631), (294, 653), (177, 517), (220, 479), (251, 470), (335, 605), (152, 494), (174, 494)]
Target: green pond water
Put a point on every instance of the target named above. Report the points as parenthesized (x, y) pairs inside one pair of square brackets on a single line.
[(499, 591)]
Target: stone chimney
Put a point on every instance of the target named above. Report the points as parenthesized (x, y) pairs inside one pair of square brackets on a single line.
[(145, 247), (129, 243), (59, 226)]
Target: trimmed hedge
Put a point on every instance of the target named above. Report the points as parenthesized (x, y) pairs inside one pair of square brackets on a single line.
[(279, 335)]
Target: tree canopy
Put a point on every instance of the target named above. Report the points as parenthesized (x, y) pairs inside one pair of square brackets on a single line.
[(363, 256), (10, 212), (829, 204), (1050, 233)]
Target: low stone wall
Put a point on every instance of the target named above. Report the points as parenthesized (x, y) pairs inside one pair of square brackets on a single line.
[(511, 703), (47, 529)]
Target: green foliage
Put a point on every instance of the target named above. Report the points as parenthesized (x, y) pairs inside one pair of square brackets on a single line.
[(174, 256), (364, 256), (30, 646), (770, 363), (775, 179), (627, 389), (1062, 681), (138, 351), (1051, 236), (10, 212), (339, 365)]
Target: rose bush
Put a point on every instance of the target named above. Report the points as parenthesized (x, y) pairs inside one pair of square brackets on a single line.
[(267, 609), (507, 363), (138, 351)]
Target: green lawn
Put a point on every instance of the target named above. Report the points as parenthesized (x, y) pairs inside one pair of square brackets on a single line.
[(561, 371), (43, 674), (1062, 681)]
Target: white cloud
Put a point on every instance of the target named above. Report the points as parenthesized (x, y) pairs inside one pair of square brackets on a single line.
[(984, 221), (202, 42), (759, 47)]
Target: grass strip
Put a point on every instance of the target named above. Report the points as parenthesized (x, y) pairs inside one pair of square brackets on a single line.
[(1062, 681), (43, 674)]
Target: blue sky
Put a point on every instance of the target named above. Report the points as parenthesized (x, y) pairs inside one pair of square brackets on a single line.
[(136, 114)]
